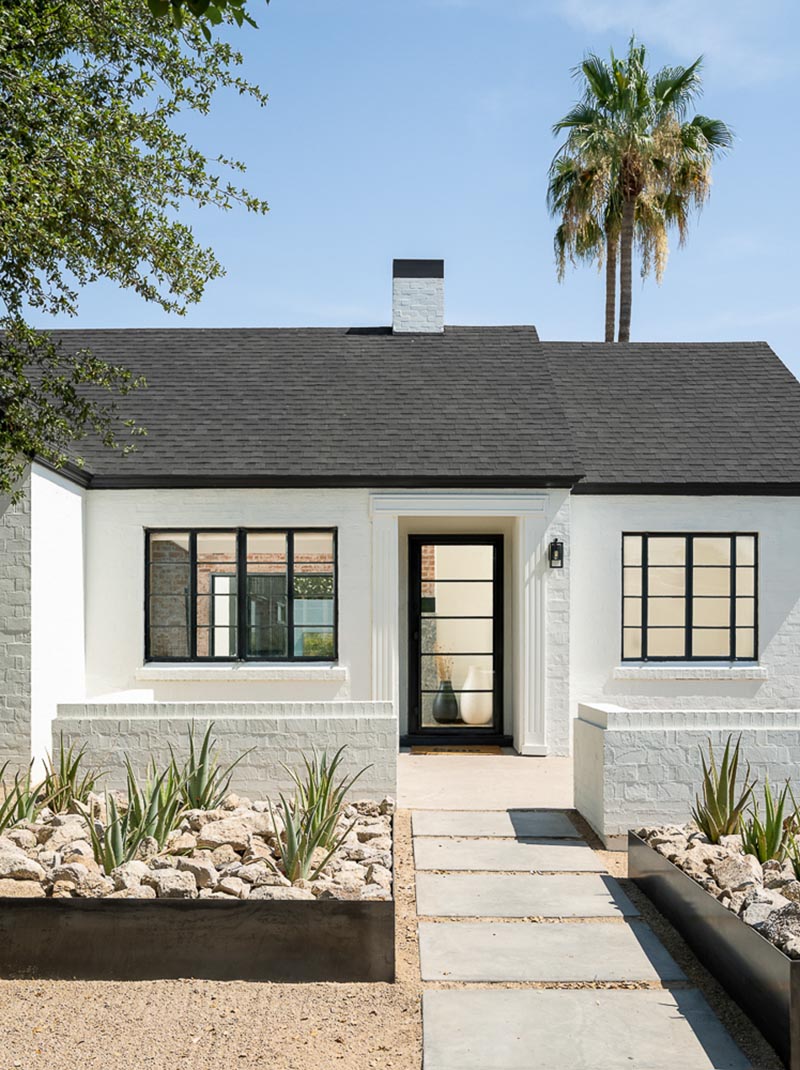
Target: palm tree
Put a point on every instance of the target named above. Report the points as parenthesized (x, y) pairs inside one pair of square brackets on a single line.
[(588, 231), (653, 166)]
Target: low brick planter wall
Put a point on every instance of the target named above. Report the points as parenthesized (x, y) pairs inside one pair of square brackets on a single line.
[(277, 732), (637, 767), (757, 975), (138, 940)]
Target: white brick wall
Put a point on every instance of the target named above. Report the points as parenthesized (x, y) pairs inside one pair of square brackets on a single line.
[(116, 520), (417, 305), (637, 767), (280, 732), (15, 630), (598, 522)]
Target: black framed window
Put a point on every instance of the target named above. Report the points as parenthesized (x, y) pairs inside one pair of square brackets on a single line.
[(236, 594), (689, 597)]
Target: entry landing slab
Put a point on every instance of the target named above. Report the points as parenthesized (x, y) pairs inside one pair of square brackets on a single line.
[(566, 951), (517, 824), (523, 856), (579, 1029), (520, 895)]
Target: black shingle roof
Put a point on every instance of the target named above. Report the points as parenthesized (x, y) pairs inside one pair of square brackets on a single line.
[(473, 406)]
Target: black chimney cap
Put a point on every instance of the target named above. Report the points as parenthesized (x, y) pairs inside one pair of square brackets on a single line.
[(418, 269)]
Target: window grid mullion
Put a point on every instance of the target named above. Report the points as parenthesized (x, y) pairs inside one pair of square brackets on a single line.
[(193, 594), (689, 595), (645, 583), (733, 599), (290, 595), (242, 632)]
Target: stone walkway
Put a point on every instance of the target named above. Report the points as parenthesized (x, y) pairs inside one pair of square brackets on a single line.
[(513, 908)]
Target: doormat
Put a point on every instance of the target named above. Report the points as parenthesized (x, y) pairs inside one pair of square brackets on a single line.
[(456, 750)]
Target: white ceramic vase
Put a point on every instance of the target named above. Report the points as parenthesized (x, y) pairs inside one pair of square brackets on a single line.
[(477, 698)]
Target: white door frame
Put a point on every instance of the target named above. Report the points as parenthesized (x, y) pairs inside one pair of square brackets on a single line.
[(530, 514)]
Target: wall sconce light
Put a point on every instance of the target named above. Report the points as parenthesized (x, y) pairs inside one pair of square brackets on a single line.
[(555, 554)]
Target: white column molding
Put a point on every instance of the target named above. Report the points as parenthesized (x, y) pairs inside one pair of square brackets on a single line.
[(385, 606), (459, 503), (530, 730)]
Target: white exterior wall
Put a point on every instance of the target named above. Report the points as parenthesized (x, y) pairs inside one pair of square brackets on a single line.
[(57, 600), (116, 520), (640, 726), (597, 673)]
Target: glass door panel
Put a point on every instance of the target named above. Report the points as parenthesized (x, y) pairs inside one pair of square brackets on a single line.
[(455, 634)]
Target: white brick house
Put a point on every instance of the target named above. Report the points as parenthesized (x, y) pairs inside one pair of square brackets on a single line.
[(438, 533)]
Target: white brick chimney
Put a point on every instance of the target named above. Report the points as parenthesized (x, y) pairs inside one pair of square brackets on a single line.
[(418, 296)]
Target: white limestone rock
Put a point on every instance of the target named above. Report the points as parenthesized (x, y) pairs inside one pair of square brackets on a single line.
[(204, 873), (20, 889), (233, 886), (129, 875), (234, 831), (171, 883), (17, 865), (737, 873), (761, 905), (271, 891), (22, 838)]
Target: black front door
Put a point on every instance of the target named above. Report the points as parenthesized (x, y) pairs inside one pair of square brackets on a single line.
[(455, 637)]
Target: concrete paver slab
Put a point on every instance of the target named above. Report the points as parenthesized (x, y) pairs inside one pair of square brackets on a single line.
[(520, 895), (515, 823), (495, 782), (589, 951), (517, 1029), (522, 856)]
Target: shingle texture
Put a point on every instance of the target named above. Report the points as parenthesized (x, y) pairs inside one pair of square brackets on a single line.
[(679, 412), (475, 405)]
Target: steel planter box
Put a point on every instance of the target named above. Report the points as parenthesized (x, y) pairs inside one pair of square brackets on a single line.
[(756, 974), (137, 940)]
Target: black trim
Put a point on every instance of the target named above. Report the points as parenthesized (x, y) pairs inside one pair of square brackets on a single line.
[(344, 480), (477, 734), (452, 739), (771, 489), (689, 596), (242, 630), (85, 479), (418, 269)]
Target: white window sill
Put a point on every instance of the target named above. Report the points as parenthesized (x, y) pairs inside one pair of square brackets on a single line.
[(320, 672), (693, 671)]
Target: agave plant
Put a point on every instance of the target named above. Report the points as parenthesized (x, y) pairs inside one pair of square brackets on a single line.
[(771, 836), (22, 801), (67, 785), (155, 807), (305, 834), (319, 794), (203, 783), (719, 811), (119, 839)]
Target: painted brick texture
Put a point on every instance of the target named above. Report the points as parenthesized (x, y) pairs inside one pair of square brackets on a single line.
[(278, 732), (642, 767), (418, 305), (15, 630)]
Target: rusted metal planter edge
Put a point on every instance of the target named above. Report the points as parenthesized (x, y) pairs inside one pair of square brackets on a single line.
[(130, 939), (757, 975)]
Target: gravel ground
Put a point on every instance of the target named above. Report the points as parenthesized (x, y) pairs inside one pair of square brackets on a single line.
[(195, 1025)]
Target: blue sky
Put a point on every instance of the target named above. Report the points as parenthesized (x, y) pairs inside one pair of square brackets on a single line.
[(422, 129)]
